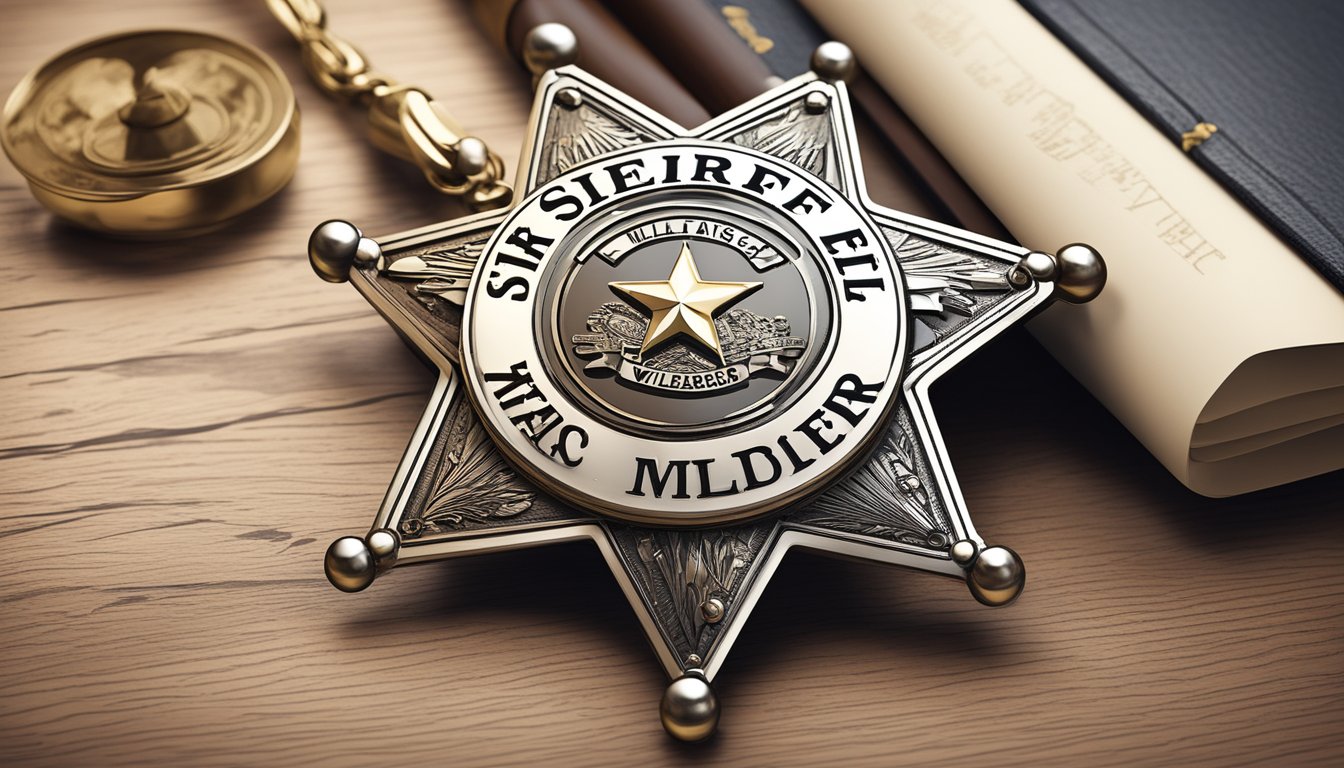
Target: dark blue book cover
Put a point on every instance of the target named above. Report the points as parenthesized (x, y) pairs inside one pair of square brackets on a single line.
[(1251, 89)]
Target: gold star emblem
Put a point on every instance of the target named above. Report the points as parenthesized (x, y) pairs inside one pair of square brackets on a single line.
[(683, 304)]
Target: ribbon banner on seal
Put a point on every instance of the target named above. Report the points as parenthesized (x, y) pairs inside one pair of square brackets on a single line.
[(752, 344)]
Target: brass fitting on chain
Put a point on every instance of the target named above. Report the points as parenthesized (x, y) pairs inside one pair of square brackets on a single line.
[(403, 120)]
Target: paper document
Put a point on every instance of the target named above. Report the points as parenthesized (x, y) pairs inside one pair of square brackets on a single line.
[(1219, 348)]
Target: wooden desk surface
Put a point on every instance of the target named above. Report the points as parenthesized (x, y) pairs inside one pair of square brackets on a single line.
[(187, 425)]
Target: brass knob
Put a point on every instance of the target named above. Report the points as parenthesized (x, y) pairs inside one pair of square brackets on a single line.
[(153, 134)]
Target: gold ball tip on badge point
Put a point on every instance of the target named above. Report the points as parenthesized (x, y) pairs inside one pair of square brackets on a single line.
[(188, 130), (549, 46), (1081, 273), (833, 60), (997, 576), (350, 564), (690, 708)]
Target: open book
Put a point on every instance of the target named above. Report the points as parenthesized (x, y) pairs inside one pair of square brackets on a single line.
[(1213, 342)]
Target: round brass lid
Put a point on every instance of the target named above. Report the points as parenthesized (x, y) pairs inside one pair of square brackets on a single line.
[(153, 134)]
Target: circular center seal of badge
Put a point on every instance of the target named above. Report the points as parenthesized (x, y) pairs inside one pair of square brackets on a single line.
[(685, 333)]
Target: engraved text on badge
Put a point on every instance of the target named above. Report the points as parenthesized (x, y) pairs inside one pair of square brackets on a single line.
[(685, 333)]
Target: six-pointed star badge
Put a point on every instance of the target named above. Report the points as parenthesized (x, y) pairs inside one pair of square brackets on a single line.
[(698, 349)]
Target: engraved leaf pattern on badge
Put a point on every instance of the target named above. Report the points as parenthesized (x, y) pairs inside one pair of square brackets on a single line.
[(472, 484), (941, 279), (580, 134), (443, 272), (796, 137), (885, 498), (615, 327), (692, 566)]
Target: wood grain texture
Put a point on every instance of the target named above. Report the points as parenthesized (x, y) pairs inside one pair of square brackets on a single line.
[(188, 424)]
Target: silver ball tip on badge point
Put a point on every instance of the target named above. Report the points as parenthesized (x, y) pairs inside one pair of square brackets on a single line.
[(1077, 270), (995, 575), (963, 552), (335, 246), (690, 708), (352, 563), (1082, 272), (549, 46), (833, 60)]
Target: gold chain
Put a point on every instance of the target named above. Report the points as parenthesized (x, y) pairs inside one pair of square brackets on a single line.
[(403, 120)]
